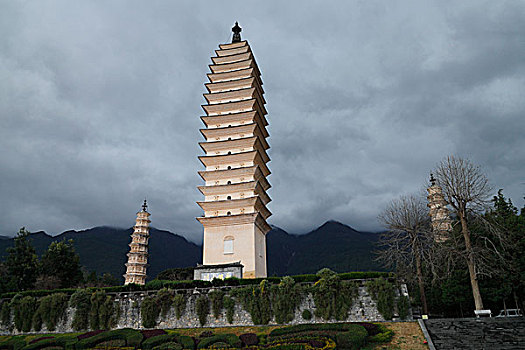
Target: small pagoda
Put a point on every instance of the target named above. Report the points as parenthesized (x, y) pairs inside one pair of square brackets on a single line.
[(438, 211), (235, 162), (138, 252)]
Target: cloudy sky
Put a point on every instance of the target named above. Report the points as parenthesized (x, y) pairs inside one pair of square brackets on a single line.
[(100, 105)]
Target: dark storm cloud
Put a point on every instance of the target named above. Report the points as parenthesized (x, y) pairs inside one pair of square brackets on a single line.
[(99, 105)]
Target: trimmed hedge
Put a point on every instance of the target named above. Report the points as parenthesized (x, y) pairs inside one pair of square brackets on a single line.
[(298, 344), (15, 342), (191, 284), (384, 335), (185, 342), (354, 338), (132, 337), (231, 339), (63, 340)]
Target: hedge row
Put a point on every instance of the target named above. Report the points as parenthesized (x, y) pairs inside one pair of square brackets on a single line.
[(159, 284), (326, 336)]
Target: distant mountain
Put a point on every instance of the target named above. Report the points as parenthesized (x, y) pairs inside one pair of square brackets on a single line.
[(333, 245), (104, 249)]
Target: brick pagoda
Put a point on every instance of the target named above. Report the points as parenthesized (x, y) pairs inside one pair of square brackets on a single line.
[(235, 197), (138, 253)]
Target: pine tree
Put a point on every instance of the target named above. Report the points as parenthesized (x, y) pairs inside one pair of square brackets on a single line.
[(61, 261), (22, 262)]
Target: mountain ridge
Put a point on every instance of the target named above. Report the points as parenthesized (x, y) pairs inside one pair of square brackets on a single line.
[(333, 244)]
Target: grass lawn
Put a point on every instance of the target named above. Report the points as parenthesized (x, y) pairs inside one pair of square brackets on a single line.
[(407, 336)]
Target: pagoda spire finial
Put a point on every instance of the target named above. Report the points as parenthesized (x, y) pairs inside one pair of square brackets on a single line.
[(432, 179), (236, 33), (145, 205)]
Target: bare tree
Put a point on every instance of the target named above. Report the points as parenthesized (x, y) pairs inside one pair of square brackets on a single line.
[(408, 241), (467, 191)]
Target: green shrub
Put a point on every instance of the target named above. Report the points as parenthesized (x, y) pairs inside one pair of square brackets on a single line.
[(131, 337), (202, 307), (23, 310), (60, 341), (14, 342), (216, 296), (229, 305), (286, 298), (5, 314), (310, 328), (102, 312), (403, 306), (37, 321), (382, 292), (81, 301), (164, 300), (181, 341), (179, 302), (152, 342), (353, 339), (307, 315), (149, 312), (384, 335), (333, 297), (169, 346), (51, 310), (256, 300), (230, 339)]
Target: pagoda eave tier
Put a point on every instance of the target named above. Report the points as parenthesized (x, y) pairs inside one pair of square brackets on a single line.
[(250, 142), (219, 109), (255, 157), (235, 95), (136, 274), (233, 51), (240, 219), (234, 45), (240, 65), (244, 56), (142, 233), (144, 254), (235, 132), (225, 120), (137, 264), (234, 75), (231, 204), (231, 188), (233, 85), (252, 171)]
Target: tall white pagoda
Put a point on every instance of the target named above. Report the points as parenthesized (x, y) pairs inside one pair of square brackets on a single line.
[(138, 249), (235, 197), (438, 211)]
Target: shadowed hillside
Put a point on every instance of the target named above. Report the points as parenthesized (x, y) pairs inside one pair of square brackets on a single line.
[(333, 245)]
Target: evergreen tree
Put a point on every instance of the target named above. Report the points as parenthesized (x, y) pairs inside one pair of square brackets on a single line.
[(21, 262), (505, 216), (61, 261)]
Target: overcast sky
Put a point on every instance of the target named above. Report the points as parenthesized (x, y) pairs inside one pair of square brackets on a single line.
[(100, 104)]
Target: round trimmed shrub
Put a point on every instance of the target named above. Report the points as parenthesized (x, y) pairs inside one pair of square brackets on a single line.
[(354, 338), (169, 346), (307, 315), (231, 339), (249, 339)]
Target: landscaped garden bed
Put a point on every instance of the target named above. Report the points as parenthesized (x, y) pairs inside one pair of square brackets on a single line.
[(300, 337)]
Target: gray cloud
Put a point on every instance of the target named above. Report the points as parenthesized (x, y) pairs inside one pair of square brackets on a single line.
[(100, 105)]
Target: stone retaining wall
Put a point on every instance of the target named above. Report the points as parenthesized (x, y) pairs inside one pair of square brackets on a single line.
[(363, 310)]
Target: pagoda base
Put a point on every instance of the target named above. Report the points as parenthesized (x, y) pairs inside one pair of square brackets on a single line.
[(221, 271)]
